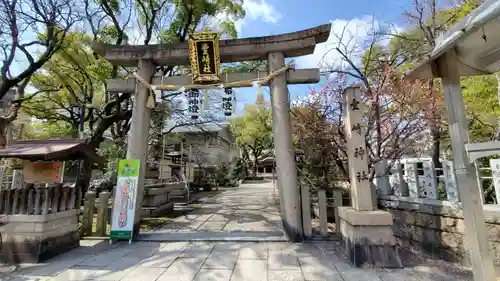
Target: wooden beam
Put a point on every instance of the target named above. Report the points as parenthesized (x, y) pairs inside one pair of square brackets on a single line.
[(298, 76)]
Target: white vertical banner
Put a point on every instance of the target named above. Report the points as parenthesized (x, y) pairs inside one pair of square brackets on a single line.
[(450, 182)]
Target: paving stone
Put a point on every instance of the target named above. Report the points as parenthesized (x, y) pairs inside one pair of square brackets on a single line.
[(117, 270), (285, 275), (253, 251), (144, 274), (53, 267), (163, 260), (218, 218), (250, 270), (213, 275), (104, 259), (317, 269), (227, 246), (221, 259), (283, 261), (26, 278), (183, 269), (198, 250), (212, 225), (77, 274), (350, 273)]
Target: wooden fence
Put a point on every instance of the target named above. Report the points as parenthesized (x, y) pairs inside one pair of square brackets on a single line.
[(315, 207), (39, 200)]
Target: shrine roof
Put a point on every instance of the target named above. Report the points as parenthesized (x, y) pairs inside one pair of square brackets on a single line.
[(292, 44), (476, 40), (49, 150)]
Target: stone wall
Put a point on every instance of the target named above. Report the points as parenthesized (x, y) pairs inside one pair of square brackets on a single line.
[(35, 238), (437, 227)]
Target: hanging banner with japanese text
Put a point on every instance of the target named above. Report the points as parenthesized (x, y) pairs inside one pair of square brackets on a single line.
[(122, 221), (227, 101), (195, 102)]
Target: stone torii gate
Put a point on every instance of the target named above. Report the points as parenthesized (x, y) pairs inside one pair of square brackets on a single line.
[(274, 49)]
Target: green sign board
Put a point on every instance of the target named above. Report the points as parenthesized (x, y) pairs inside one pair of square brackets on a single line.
[(122, 221)]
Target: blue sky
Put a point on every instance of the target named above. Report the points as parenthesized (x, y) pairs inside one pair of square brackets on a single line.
[(267, 17)]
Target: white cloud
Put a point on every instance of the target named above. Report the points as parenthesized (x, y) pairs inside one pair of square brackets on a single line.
[(262, 10), (352, 37), (259, 10)]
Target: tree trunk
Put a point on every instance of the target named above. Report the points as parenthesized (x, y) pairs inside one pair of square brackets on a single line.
[(497, 133), (255, 167), (436, 146)]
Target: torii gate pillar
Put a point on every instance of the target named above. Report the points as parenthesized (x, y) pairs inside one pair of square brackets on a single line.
[(285, 154), (137, 147)]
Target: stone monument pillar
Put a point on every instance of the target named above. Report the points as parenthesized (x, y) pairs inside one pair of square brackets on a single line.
[(367, 235)]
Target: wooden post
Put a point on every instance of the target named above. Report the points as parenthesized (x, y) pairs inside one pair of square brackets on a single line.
[(102, 214), (64, 198), (72, 197), (337, 197), (30, 206), (8, 206), (38, 200), (323, 217), (15, 203), (56, 197), (2, 202), (22, 200), (78, 199), (88, 213), (46, 200), (476, 234)]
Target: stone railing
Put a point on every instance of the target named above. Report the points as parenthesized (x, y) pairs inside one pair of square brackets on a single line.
[(158, 198), (427, 212), (38, 223)]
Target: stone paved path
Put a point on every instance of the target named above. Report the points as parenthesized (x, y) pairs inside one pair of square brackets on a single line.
[(247, 212), (250, 210), (213, 261)]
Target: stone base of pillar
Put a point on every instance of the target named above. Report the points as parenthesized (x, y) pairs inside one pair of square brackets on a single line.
[(367, 238)]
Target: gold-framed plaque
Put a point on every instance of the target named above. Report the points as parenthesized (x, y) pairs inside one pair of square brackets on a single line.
[(205, 57)]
